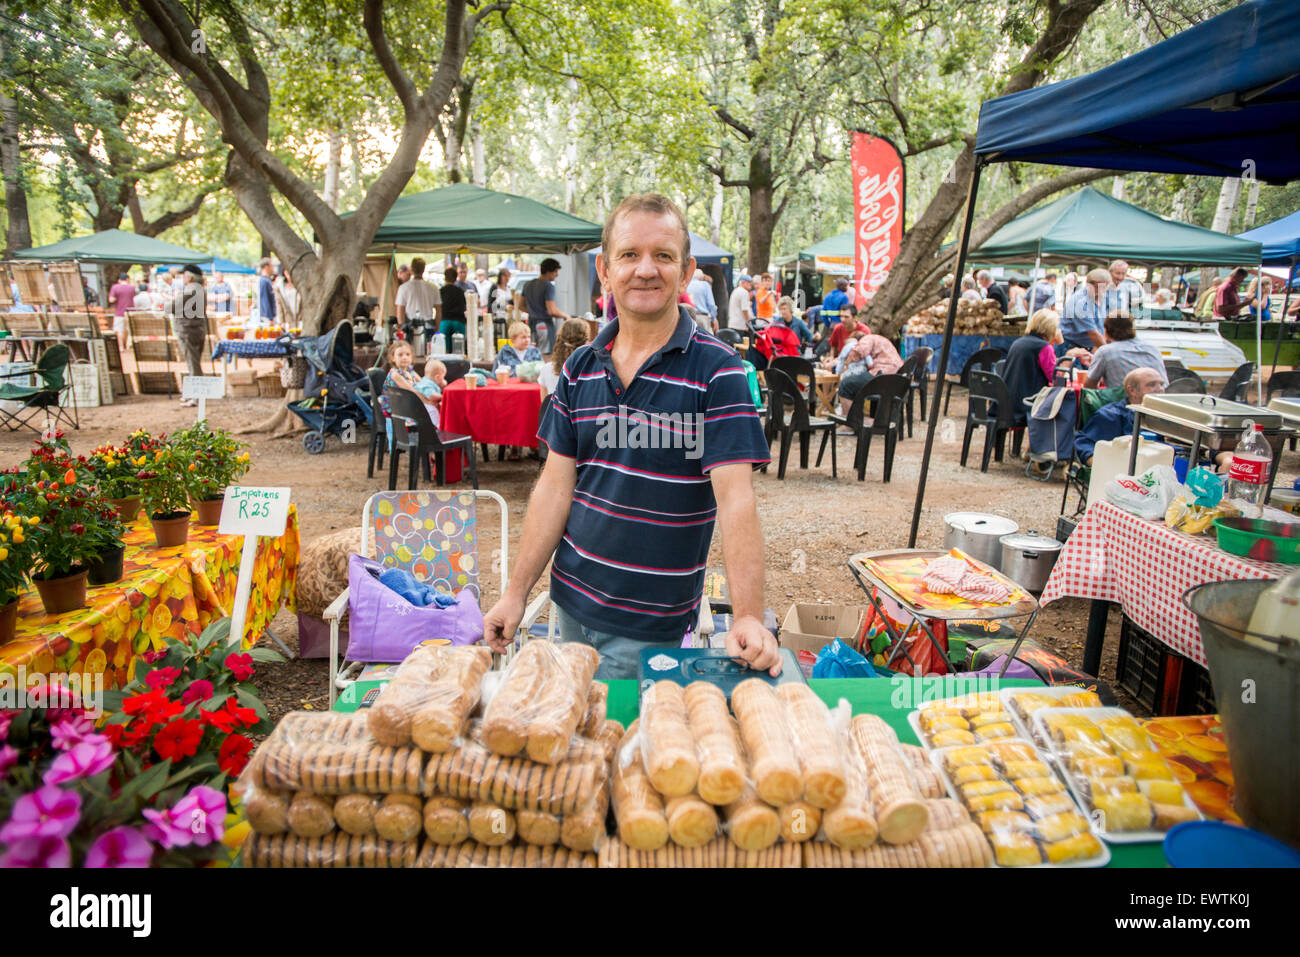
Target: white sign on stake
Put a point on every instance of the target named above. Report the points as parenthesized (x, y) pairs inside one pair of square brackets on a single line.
[(251, 512), (202, 388)]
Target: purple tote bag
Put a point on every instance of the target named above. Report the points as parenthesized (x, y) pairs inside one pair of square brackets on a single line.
[(384, 627)]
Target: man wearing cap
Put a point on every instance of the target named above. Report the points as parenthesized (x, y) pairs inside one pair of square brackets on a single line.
[(190, 317), (740, 309)]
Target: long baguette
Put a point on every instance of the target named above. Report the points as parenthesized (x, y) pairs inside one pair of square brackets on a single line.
[(774, 764), (717, 742), (667, 745)]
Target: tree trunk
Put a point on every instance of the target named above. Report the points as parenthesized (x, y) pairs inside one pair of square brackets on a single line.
[(355, 189), (762, 215), (1252, 205), (19, 234), (715, 213), (333, 161), (1229, 195), (478, 154)]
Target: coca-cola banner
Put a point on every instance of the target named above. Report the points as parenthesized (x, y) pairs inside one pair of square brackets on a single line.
[(877, 212)]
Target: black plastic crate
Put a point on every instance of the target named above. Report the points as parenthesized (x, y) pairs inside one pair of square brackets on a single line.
[(1195, 690), (1065, 527), (1142, 662)]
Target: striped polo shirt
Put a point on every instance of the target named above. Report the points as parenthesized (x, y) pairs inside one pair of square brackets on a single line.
[(632, 559)]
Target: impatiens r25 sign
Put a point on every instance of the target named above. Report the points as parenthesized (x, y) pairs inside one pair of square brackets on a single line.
[(254, 511)]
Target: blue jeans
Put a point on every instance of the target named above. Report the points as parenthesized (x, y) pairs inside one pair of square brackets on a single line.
[(619, 657)]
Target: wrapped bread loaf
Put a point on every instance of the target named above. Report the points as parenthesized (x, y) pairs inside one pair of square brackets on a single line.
[(901, 812), (717, 744), (474, 773), (593, 722), (491, 824), (585, 830), (667, 745), (267, 811), (774, 765), (719, 853), (542, 698), (399, 817), (751, 824), (691, 821), (337, 849), (537, 827), (319, 753), (432, 693), (800, 821), (851, 824), (961, 846), (446, 820), (817, 745), (471, 854), (355, 813), (638, 808), (311, 815)]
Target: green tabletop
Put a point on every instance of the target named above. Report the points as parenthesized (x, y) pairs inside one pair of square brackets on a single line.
[(892, 699)]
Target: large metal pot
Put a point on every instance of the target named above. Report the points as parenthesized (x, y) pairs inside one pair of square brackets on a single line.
[(1028, 559), (977, 534)]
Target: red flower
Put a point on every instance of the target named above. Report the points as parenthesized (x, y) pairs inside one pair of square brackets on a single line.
[(78, 529), (142, 703), (221, 719), (114, 733), (179, 739), (160, 678), (153, 657), (234, 754), (69, 477), (246, 717), (240, 665), (200, 690)]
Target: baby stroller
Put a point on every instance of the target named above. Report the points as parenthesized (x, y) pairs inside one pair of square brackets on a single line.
[(336, 394), (770, 341)]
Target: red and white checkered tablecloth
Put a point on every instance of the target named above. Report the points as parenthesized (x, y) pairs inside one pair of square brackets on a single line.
[(1146, 566)]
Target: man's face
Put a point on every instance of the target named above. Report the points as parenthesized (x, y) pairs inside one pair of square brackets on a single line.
[(403, 274), (747, 285), (643, 267), (216, 276), (461, 273), (1118, 272), (765, 283), (1147, 382), (984, 281), (481, 275)]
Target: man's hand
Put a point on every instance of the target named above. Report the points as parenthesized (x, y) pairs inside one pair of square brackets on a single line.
[(501, 622), (748, 639)]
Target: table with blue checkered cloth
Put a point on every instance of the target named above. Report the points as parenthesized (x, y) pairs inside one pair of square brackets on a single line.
[(249, 349)]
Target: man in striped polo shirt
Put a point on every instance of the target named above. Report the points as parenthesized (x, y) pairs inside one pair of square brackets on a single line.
[(653, 436)]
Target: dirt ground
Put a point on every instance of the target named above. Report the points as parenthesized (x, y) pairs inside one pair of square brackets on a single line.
[(811, 522)]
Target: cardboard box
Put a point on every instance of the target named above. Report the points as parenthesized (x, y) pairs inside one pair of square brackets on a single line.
[(812, 627)]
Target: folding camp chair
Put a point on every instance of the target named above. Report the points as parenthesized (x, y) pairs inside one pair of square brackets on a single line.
[(1078, 475), (433, 534), (53, 369)]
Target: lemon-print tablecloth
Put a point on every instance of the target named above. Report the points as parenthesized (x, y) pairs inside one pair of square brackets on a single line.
[(164, 592)]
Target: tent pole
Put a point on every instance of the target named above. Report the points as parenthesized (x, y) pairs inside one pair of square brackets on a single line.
[(1286, 304), (962, 249), (1259, 336)]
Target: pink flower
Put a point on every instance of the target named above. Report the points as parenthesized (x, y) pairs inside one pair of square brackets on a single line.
[(5, 718), (8, 758), (240, 665), (199, 818), (85, 760), (200, 690), (153, 657), (71, 731), (46, 812), (161, 677), (120, 847), (38, 852)]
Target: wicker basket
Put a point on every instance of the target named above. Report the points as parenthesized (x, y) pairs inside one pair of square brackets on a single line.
[(269, 386), (293, 373)]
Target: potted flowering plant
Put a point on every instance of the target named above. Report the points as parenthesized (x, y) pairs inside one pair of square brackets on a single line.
[(215, 462), (17, 554), (116, 468), (166, 484)]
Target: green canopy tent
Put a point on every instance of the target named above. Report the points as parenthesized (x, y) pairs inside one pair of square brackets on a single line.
[(114, 246), (831, 251)]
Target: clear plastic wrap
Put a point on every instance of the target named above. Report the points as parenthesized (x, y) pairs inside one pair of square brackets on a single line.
[(667, 744), (541, 701), (355, 813), (901, 813), (966, 719), (752, 824), (723, 769), (719, 852), (399, 817), (1023, 702), (430, 697), (491, 824), (593, 722), (471, 854), (692, 821), (474, 773), (773, 763), (538, 827), (311, 815), (324, 754), (446, 820), (338, 849), (800, 821), (267, 812), (819, 748), (928, 781), (851, 824), (638, 807), (961, 846), (585, 830)]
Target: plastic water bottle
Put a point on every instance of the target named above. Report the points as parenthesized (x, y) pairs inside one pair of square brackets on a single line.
[(1252, 461), (1277, 612)]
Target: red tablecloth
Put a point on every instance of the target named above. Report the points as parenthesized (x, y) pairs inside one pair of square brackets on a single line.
[(1146, 566), (495, 414)]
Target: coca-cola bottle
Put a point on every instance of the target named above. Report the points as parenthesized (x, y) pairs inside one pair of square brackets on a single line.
[(1252, 461)]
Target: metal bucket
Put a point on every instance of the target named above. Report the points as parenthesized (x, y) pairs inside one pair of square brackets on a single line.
[(1257, 687)]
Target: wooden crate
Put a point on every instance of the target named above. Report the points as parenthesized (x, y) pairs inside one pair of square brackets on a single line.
[(157, 383), (24, 323), (157, 350), (269, 386), (243, 391)]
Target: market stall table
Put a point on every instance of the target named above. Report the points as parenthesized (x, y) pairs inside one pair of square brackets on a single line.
[(228, 349), (491, 414), (1145, 566), (164, 593), (827, 385)]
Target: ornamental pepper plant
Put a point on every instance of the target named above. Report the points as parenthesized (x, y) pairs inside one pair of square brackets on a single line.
[(215, 460)]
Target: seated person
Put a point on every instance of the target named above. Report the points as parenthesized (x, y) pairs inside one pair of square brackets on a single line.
[(785, 312), (521, 348), (1121, 354), (1113, 420), (865, 357), (431, 386), (401, 374)]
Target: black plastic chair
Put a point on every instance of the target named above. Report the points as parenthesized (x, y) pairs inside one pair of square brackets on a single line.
[(1285, 383), (53, 370), (991, 410), (887, 395), (731, 337), (1185, 385), (916, 369), (981, 359), (1234, 390), (425, 440), (456, 365), (787, 413), (378, 434)]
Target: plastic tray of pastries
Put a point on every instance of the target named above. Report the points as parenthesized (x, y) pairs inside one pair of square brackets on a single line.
[(1026, 813), (966, 719), (1115, 773), (1023, 702)]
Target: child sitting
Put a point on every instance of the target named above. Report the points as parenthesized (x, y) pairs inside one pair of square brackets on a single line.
[(430, 387), (520, 349), (402, 375)]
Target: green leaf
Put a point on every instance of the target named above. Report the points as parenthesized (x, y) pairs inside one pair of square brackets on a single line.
[(219, 630), (267, 654), (148, 783), (113, 700), (249, 700), (207, 766)]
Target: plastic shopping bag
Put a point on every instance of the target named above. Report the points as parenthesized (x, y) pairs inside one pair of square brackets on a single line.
[(385, 626), (1147, 495), (838, 660)]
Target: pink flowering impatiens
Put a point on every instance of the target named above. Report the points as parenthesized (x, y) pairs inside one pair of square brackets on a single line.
[(120, 847), (199, 818), (8, 758), (200, 690), (37, 852), (84, 760), (46, 812), (71, 731)]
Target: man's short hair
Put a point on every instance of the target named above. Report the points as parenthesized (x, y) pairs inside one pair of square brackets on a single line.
[(842, 284), (1131, 380), (1115, 264), (417, 267), (549, 264), (1097, 276), (656, 205), (1050, 277), (982, 275), (262, 264), (766, 275), (1119, 326), (1240, 273), (450, 274), (967, 282)]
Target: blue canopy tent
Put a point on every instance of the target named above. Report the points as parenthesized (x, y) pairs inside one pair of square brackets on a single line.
[(1219, 99), (717, 263), (217, 264), (1281, 242)]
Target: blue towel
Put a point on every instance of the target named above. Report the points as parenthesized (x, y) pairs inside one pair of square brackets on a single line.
[(413, 590)]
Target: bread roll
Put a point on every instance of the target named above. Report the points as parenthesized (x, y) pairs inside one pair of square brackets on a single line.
[(751, 824), (585, 830), (691, 822), (556, 719), (593, 722), (446, 820), (310, 815), (505, 722), (774, 765), (817, 746), (901, 813), (851, 824), (800, 821), (267, 811), (399, 817), (537, 827), (355, 813), (717, 744), (491, 825), (638, 808), (667, 745), (447, 701)]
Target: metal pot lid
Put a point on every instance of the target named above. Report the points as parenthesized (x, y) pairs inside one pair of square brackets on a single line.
[(981, 523), (1030, 542)]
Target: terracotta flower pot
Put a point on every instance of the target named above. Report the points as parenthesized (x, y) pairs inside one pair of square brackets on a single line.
[(63, 594), (208, 511), (8, 620), (171, 529), (128, 509), (107, 567)]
